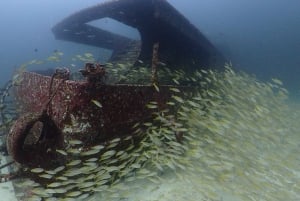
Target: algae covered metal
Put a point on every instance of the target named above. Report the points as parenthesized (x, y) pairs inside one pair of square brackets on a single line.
[(88, 111)]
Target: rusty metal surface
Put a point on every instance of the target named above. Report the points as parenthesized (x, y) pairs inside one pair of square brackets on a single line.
[(33, 139), (121, 105)]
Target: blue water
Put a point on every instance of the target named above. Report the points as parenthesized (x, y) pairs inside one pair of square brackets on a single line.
[(258, 37)]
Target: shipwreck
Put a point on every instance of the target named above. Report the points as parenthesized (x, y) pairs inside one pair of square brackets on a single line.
[(104, 111)]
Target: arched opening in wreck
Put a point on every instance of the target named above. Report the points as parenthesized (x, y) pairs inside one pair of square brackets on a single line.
[(127, 46), (34, 138), (116, 27)]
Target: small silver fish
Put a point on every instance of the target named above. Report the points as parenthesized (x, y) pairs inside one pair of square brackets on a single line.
[(97, 103)]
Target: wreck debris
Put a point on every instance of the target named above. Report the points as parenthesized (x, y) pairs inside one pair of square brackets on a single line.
[(38, 128), (61, 73), (95, 73), (49, 136), (154, 63), (182, 45)]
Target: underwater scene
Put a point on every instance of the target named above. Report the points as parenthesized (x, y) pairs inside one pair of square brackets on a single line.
[(132, 100)]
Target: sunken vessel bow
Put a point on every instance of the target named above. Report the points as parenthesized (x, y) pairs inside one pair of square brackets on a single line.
[(55, 109), (89, 111)]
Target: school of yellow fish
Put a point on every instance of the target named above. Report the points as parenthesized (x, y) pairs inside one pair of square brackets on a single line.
[(232, 138)]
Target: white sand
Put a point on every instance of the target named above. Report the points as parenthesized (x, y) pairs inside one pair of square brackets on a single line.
[(7, 192)]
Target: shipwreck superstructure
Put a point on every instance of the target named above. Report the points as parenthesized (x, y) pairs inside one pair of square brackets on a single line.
[(181, 44)]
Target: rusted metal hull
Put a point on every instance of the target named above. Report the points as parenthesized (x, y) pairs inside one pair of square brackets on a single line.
[(121, 105), (73, 113)]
